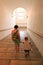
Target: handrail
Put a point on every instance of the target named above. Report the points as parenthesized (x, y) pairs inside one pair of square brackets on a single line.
[(5, 29), (39, 34)]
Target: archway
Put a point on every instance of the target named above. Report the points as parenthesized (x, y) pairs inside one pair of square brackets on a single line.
[(20, 16)]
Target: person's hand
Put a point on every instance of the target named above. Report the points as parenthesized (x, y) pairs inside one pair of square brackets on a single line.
[(14, 38), (22, 42)]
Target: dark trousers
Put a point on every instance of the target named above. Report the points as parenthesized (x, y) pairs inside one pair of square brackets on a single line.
[(26, 52)]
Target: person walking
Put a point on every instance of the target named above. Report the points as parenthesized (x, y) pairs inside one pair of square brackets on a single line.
[(27, 46), (16, 37)]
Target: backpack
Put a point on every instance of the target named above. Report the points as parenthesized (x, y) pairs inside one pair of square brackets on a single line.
[(17, 38)]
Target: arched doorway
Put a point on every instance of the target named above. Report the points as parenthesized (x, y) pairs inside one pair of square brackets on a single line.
[(20, 15)]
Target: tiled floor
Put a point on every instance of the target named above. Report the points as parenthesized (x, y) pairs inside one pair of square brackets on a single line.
[(8, 55)]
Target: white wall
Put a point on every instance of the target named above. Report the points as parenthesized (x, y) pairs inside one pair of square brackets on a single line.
[(35, 23), (37, 40), (35, 19), (6, 21)]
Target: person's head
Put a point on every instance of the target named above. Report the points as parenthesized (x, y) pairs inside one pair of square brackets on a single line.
[(16, 26), (26, 38)]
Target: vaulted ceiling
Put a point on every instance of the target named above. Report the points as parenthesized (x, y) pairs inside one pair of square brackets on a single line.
[(13, 4)]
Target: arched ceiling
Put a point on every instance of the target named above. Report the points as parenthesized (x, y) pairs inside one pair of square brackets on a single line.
[(13, 4)]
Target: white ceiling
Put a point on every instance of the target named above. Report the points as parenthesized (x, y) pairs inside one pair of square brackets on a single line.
[(13, 4)]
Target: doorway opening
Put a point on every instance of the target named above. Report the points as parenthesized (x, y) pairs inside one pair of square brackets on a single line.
[(20, 16)]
